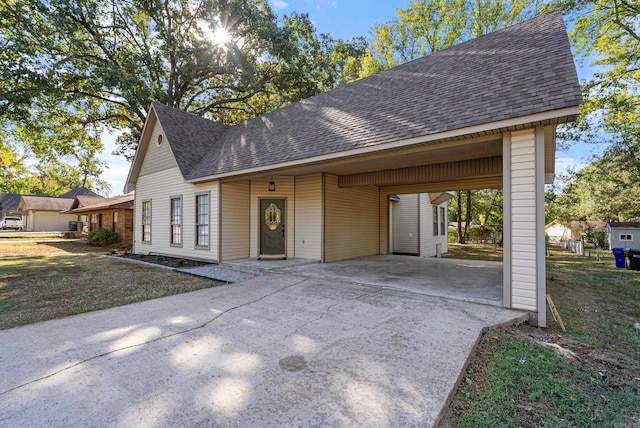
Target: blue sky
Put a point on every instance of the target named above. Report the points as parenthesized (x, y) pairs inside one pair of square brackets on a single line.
[(342, 19)]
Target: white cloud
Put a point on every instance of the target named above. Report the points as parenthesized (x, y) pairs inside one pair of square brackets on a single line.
[(279, 4), (334, 3)]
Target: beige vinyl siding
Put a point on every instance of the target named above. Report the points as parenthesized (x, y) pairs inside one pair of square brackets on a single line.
[(523, 221), (157, 158), (429, 241), (308, 216), (406, 227), (159, 187), (284, 190), (235, 218), (352, 221)]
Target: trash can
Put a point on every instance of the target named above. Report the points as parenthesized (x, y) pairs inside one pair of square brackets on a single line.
[(632, 259), (618, 254), (73, 226)]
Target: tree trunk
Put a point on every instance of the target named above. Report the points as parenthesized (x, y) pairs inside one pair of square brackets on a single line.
[(461, 239), (467, 219)]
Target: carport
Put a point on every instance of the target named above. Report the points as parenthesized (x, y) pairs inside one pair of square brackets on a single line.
[(312, 180)]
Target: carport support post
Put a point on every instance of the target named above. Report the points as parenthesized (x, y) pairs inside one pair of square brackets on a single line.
[(523, 228)]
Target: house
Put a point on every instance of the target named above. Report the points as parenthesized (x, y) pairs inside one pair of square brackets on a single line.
[(574, 230), (47, 222), (418, 224), (313, 179), (42, 213), (624, 234), (114, 214)]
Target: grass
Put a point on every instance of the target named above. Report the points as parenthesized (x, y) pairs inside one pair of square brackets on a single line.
[(473, 251), (529, 385), (44, 281), (513, 380)]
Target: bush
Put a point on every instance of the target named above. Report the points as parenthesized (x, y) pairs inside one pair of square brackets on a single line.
[(103, 237)]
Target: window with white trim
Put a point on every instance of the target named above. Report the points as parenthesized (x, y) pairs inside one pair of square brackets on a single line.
[(626, 237), (443, 222), (202, 220), (435, 221), (146, 221), (176, 221)]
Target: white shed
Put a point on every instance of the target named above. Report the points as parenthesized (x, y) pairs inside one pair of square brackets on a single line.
[(623, 234)]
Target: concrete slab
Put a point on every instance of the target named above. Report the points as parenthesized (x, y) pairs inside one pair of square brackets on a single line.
[(276, 350), (467, 280), (269, 265)]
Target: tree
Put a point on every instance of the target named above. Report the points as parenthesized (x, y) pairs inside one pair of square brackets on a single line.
[(606, 33), (428, 26), (101, 62)]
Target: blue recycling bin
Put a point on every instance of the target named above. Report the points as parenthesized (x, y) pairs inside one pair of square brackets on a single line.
[(618, 254)]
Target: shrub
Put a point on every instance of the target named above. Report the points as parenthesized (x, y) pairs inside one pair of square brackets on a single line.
[(103, 237)]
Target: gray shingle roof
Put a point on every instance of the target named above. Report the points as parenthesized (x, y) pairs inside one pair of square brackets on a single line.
[(79, 191), (518, 71), (189, 136), (9, 201), (46, 203)]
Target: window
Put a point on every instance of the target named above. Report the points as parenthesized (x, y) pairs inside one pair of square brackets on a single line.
[(146, 221), (176, 221), (443, 222), (626, 237), (202, 220), (435, 221), (94, 223)]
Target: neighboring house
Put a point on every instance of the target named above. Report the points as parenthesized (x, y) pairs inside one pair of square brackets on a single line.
[(9, 202), (418, 224), (623, 234), (43, 213), (114, 214), (313, 179), (574, 230)]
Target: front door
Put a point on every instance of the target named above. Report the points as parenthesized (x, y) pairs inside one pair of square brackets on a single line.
[(272, 220)]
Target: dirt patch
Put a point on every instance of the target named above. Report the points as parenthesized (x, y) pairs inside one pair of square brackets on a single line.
[(173, 262)]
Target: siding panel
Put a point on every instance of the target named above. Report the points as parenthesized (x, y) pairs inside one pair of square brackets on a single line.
[(159, 187), (157, 158), (308, 216), (352, 218), (234, 223)]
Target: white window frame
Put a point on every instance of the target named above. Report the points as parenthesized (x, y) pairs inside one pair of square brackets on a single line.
[(436, 225), (175, 222), (146, 220), (204, 225), (625, 237)]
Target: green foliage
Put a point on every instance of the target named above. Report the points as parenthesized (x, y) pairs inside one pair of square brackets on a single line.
[(103, 237), (69, 68), (523, 372), (428, 26)]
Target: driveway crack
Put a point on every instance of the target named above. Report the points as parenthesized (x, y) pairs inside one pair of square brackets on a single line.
[(157, 339)]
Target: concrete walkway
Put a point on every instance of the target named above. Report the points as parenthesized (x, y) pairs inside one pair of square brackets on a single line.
[(275, 350)]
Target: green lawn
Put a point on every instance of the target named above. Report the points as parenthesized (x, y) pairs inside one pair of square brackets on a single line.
[(514, 381), (51, 280)]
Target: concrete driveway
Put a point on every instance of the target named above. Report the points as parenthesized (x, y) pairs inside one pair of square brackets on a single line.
[(276, 350)]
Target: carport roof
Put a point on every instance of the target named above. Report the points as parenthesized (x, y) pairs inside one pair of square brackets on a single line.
[(519, 71)]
